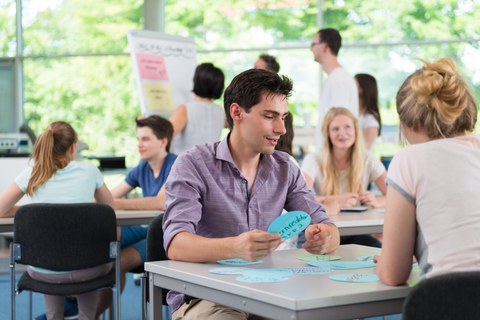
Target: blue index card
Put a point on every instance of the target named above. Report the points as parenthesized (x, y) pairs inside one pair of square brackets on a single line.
[(365, 258), (324, 269), (347, 265), (355, 277), (238, 262), (229, 270), (317, 257), (265, 275), (290, 224)]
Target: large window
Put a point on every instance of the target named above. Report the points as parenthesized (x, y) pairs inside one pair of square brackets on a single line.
[(7, 28), (8, 112), (77, 67)]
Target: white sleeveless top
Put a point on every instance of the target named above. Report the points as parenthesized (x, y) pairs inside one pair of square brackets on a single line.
[(205, 122)]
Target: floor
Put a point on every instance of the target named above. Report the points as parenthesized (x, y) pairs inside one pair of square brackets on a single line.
[(130, 303)]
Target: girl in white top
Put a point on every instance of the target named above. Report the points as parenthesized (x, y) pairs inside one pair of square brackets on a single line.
[(433, 207), (343, 169), (200, 121), (369, 115), (56, 178)]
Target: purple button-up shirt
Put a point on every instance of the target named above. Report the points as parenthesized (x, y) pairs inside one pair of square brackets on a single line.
[(208, 196)]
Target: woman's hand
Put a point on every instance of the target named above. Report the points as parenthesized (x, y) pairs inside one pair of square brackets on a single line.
[(368, 198), (348, 200)]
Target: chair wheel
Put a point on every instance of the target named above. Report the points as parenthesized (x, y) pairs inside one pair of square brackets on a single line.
[(137, 279)]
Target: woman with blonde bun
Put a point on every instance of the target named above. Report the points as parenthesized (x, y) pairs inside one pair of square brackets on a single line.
[(433, 207)]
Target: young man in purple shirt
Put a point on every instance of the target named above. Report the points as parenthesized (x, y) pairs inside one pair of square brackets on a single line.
[(221, 197)]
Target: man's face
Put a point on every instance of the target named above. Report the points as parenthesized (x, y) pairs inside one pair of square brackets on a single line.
[(260, 64), (149, 146), (318, 48), (261, 128)]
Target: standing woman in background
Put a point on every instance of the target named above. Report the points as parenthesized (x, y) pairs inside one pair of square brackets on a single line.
[(433, 207), (369, 115), (57, 178), (200, 121)]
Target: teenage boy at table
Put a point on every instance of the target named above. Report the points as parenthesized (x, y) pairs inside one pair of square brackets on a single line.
[(154, 135), (221, 197)]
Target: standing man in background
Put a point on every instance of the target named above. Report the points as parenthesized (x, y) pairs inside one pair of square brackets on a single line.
[(339, 90)]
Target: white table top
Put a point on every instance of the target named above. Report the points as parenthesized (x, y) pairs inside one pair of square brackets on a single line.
[(124, 218), (301, 297), (357, 223), (349, 223)]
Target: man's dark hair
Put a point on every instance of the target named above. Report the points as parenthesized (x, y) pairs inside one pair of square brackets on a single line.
[(208, 81), (161, 127), (271, 62), (248, 88), (332, 38)]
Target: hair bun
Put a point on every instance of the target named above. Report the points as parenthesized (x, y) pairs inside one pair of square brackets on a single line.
[(439, 88)]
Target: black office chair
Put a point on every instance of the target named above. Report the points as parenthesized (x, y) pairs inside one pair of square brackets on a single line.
[(155, 252), (445, 297), (64, 237)]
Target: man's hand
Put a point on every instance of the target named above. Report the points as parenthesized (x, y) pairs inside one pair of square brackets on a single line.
[(255, 244), (321, 238)]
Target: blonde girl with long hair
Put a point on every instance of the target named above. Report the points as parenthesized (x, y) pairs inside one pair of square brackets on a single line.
[(342, 170), (433, 207), (56, 177)]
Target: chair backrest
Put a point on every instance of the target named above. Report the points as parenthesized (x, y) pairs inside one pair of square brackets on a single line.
[(449, 296), (155, 249), (63, 237)]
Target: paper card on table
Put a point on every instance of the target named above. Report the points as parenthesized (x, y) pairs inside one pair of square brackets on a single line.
[(320, 264), (229, 270), (355, 277), (317, 257), (365, 258), (261, 278), (268, 272), (290, 224), (312, 270), (347, 265), (265, 275), (238, 262)]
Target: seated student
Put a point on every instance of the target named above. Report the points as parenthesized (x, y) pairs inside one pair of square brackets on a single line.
[(369, 115), (221, 197), (343, 170), (200, 121), (433, 207), (57, 178), (154, 135)]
